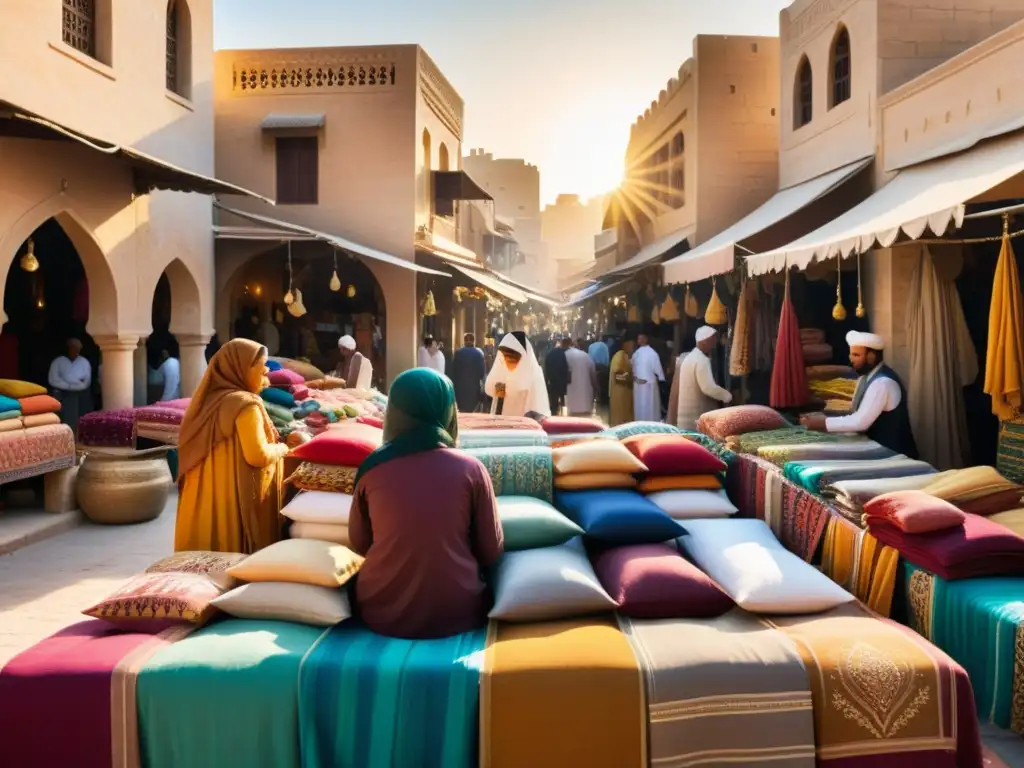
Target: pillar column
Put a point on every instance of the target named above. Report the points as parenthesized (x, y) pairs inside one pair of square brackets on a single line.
[(141, 367), (117, 370), (193, 360)]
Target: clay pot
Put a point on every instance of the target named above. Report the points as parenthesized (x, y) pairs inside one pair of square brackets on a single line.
[(116, 488)]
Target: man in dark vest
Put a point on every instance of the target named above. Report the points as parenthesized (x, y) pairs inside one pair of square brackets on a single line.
[(879, 403)]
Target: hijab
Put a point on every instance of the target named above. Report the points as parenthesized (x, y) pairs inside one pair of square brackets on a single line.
[(230, 385), (420, 416), (528, 375)]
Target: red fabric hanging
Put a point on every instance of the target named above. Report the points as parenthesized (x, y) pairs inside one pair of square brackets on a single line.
[(789, 376), (80, 303)]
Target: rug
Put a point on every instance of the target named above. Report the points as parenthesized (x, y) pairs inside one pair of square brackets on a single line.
[(856, 561), (519, 471)]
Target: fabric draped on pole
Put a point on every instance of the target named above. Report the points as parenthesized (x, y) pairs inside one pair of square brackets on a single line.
[(789, 377), (1004, 369), (739, 352), (943, 361)]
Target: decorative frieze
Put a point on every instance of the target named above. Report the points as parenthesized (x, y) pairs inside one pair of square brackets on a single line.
[(440, 96), (301, 77)]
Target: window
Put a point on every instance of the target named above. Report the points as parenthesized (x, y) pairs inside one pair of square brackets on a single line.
[(841, 72), (79, 25), (678, 144), (803, 107), (679, 186), (172, 46), (298, 165)]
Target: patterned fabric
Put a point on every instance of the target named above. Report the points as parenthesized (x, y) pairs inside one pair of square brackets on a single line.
[(501, 438), (750, 442), (739, 420), (158, 414), (842, 389), (856, 561), (1010, 455), (323, 477), (212, 564), (153, 599), (36, 451), (519, 471), (468, 421), (719, 449), (827, 372), (814, 475), (108, 429), (623, 431)]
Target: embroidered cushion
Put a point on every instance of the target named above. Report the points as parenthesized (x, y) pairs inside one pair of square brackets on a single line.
[(336, 533), (631, 428), (617, 516), (654, 581), (284, 378), (341, 447), (278, 601), (547, 584), (319, 507), (673, 455), (565, 425), (679, 483), (693, 505), (279, 397), (739, 420), (20, 389), (756, 571), (39, 404), (308, 371), (914, 512), (582, 481), (595, 456), (212, 564), (151, 602), (529, 523), (302, 561), (311, 476)]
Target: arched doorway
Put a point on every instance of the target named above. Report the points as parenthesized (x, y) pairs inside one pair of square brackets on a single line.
[(176, 328)]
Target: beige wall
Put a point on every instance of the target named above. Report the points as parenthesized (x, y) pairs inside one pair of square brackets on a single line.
[(568, 227)]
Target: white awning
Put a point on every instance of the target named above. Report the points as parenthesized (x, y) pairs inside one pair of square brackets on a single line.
[(930, 196), (717, 255), (278, 227), (593, 290), (651, 253), (492, 283)]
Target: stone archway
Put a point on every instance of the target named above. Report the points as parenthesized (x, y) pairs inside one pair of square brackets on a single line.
[(185, 331)]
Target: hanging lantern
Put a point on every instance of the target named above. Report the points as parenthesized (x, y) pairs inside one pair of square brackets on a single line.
[(335, 284), (690, 303), (716, 313), (429, 308), (861, 312), (351, 291), (289, 297), (297, 308), (29, 262), (839, 311)]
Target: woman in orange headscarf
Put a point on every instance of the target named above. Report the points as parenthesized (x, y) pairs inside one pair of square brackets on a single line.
[(230, 469)]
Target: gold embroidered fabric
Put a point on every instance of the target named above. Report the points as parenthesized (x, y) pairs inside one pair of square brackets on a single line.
[(323, 477)]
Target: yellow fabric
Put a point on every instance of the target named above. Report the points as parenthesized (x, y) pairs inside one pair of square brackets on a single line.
[(621, 389), (1004, 366), (231, 501), (715, 314), (19, 389), (1012, 519), (680, 483), (588, 480), (856, 561), (40, 419), (961, 485), (300, 561), (596, 456)]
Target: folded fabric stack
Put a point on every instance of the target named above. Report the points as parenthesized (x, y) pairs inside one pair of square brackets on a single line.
[(595, 464), (474, 421), (816, 475), (501, 438), (24, 405), (319, 515), (815, 350), (735, 420), (162, 421), (571, 425), (631, 428), (980, 490), (848, 497), (752, 441), (853, 448)]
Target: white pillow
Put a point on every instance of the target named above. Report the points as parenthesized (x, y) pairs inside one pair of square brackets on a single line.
[(281, 601), (336, 533), (693, 505), (318, 507), (548, 584), (756, 571)]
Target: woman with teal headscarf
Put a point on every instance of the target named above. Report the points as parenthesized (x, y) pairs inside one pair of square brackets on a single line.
[(425, 517)]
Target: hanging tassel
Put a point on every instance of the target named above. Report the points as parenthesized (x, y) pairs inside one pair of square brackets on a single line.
[(289, 297), (335, 284), (839, 311), (716, 313), (690, 303), (669, 309), (429, 308), (861, 312)]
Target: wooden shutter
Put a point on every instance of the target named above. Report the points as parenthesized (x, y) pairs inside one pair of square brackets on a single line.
[(298, 162)]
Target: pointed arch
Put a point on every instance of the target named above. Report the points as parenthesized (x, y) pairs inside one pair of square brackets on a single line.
[(840, 69), (443, 161), (179, 48), (186, 300), (803, 94)]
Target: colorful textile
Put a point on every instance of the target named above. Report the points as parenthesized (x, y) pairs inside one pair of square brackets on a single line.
[(879, 688), (789, 380), (673, 455), (155, 601), (731, 691), (1010, 454), (622, 431), (827, 372), (36, 451), (840, 389), (571, 425), (561, 693), (160, 414), (739, 352), (715, 446), (981, 490), (108, 429), (1004, 359), (847, 450), (739, 420), (751, 441), (323, 477), (816, 474), (367, 700), (980, 623), (680, 483), (469, 421), (502, 438), (914, 512), (519, 472), (855, 560), (848, 497)]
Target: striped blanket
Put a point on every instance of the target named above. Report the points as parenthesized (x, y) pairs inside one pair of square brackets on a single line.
[(815, 475)]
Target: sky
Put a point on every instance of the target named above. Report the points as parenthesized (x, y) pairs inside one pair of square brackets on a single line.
[(555, 82)]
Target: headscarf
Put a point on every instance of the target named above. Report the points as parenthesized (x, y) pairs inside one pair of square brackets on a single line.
[(420, 416), (229, 386), (528, 375)]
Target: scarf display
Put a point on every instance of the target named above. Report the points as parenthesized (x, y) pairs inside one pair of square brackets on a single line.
[(789, 379), (1004, 368), (739, 354)]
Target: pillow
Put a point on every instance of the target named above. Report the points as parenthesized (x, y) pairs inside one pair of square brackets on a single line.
[(11, 425), (319, 507), (284, 378), (679, 483), (12, 414), (279, 413), (673, 455), (39, 404), (336, 533), (273, 365), (756, 571), (595, 456), (617, 516), (308, 371), (1012, 519), (739, 420), (371, 421), (340, 447), (310, 476), (279, 397), (589, 480), (914, 512), (566, 425), (41, 420), (300, 392), (212, 564), (327, 382), (280, 601), (152, 602), (547, 584), (529, 523), (20, 389), (693, 505), (631, 428), (560, 441), (303, 561), (9, 404), (654, 581)]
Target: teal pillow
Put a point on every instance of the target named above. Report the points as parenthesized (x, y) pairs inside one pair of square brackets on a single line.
[(279, 413), (9, 404), (5, 415), (530, 523), (279, 397)]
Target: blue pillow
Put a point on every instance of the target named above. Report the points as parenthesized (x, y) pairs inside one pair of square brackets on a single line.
[(9, 404), (273, 365), (278, 397), (618, 516)]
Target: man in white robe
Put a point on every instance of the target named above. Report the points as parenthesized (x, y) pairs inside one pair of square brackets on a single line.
[(698, 392), (647, 373), (70, 380), (516, 381), (353, 367), (582, 381), (430, 356)]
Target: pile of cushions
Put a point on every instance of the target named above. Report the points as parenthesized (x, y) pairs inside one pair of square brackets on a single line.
[(815, 350), (739, 420), (319, 515), (980, 490), (595, 464), (24, 405), (162, 421), (571, 425), (524, 471)]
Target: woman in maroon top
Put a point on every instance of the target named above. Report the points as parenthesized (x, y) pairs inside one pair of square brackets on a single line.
[(425, 517)]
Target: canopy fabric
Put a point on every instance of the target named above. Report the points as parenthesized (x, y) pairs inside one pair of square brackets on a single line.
[(1004, 369), (649, 254), (593, 290), (445, 249), (307, 233), (457, 185), (930, 196), (492, 283), (717, 255), (789, 376)]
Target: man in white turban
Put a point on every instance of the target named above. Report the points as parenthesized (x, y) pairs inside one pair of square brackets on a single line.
[(353, 367), (879, 402), (516, 381), (695, 381)]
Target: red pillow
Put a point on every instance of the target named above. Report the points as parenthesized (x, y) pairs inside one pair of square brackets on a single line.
[(372, 421), (914, 512), (669, 455), (35, 404), (337, 447), (299, 391), (571, 425), (285, 378)]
